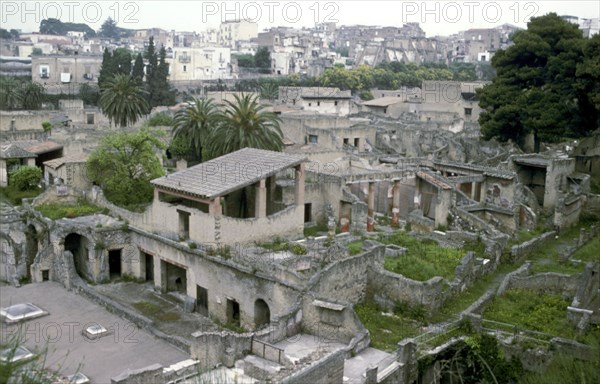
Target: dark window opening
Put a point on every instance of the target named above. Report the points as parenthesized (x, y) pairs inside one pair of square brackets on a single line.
[(202, 300), (149, 267), (356, 142), (45, 275), (307, 212), (468, 111), (184, 224), (233, 312), (313, 139)]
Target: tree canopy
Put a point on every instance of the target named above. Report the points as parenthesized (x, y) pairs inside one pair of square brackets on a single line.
[(56, 27), (124, 164), (122, 100), (547, 84)]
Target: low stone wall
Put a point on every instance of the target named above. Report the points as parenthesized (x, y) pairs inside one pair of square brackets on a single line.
[(519, 252), (387, 288), (212, 348), (329, 369), (546, 283)]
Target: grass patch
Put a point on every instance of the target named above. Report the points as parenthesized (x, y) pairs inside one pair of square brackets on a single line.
[(355, 248), (59, 211), (423, 260), (529, 310), (460, 302), (15, 197), (155, 311), (314, 231), (385, 330), (589, 252)]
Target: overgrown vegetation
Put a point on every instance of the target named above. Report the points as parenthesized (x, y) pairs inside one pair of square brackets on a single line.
[(314, 230), (528, 309), (25, 178), (355, 248), (59, 211), (386, 329), (423, 260), (15, 197), (155, 311), (124, 164)]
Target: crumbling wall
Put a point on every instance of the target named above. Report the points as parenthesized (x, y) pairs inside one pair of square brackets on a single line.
[(329, 369), (520, 251), (346, 280)]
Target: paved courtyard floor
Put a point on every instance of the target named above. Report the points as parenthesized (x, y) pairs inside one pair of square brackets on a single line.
[(68, 351)]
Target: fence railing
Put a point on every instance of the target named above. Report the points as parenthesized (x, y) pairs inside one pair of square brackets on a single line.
[(268, 351)]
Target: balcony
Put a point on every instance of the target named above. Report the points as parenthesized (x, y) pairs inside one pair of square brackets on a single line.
[(184, 59)]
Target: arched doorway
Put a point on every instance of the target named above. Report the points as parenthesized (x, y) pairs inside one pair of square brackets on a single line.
[(77, 245), (31, 248), (262, 314)]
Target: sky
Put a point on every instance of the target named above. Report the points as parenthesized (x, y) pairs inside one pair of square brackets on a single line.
[(435, 17)]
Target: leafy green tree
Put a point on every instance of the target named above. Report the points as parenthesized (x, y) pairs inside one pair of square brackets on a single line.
[(89, 94), (36, 52), (245, 124), (262, 59), (124, 164), (195, 122), (25, 178), (138, 69), (107, 69), (152, 58), (123, 101), (537, 90), (109, 29), (161, 119), (121, 61), (246, 61)]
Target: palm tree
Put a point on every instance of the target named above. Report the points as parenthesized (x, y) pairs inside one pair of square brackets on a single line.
[(32, 95), (10, 95), (245, 124), (195, 122), (123, 100)]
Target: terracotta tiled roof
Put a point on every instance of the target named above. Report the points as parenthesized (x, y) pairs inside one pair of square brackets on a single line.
[(56, 163)]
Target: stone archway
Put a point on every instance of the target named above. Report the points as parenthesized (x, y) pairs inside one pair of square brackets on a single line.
[(262, 313), (78, 246)]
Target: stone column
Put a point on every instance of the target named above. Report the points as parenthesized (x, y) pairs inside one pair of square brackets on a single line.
[(299, 191), (396, 204), (215, 208), (473, 188), (371, 208), (160, 274), (260, 202)]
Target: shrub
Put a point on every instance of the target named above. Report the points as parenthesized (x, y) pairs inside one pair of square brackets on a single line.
[(297, 249), (25, 178)]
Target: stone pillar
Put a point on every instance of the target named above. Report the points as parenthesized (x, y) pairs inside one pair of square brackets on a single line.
[(473, 189), (181, 164), (417, 199), (299, 191), (260, 202), (371, 375), (160, 274), (215, 208), (396, 204), (371, 208), (442, 207), (407, 357)]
